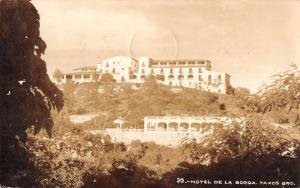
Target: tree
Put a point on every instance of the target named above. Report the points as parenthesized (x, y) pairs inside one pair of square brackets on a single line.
[(69, 95), (283, 94), (27, 95), (58, 75), (107, 79)]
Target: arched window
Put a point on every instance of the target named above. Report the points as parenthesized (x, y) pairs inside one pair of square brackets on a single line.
[(190, 76), (171, 76), (180, 77)]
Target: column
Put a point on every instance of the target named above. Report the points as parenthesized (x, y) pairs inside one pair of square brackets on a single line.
[(145, 125), (201, 128)]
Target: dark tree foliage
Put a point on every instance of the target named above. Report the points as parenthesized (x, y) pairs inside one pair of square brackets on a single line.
[(283, 94), (58, 75), (26, 93), (107, 79)]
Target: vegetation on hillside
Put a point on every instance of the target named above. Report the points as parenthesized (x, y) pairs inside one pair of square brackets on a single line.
[(133, 102)]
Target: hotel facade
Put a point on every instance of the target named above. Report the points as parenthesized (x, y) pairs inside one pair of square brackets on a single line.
[(189, 73)]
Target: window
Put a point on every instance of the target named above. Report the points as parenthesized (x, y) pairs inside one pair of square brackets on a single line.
[(143, 71), (123, 79), (107, 64), (113, 70), (160, 77), (170, 83), (219, 90), (100, 70), (209, 79), (219, 77), (171, 71), (152, 71), (190, 76), (200, 70), (86, 76), (190, 70), (180, 70), (200, 78), (77, 76), (161, 71)]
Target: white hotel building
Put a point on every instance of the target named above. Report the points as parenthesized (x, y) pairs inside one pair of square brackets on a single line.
[(190, 73)]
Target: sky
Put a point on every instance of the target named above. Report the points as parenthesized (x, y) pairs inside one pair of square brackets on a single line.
[(248, 39)]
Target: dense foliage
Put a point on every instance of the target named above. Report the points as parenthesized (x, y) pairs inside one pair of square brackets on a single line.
[(282, 96), (75, 158), (26, 93)]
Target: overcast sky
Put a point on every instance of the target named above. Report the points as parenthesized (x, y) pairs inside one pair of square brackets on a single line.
[(248, 39)]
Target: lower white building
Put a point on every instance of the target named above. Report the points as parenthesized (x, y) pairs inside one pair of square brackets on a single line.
[(81, 75)]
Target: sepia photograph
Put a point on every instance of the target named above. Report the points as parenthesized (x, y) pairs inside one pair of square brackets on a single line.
[(149, 93)]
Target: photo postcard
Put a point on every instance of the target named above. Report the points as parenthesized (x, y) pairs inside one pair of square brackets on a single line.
[(149, 93)]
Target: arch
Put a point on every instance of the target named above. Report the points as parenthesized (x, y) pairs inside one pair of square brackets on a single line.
[(171, 76), (190, 76), (173, 126), (160, 77), (162, 126), (132, 76), (196, 127), (184, 126), (207, 127)]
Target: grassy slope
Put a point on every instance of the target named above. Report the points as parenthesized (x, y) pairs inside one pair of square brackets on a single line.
[(121, 100)]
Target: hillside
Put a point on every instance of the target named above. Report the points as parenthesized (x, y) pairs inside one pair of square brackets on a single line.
[(133, 102)]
